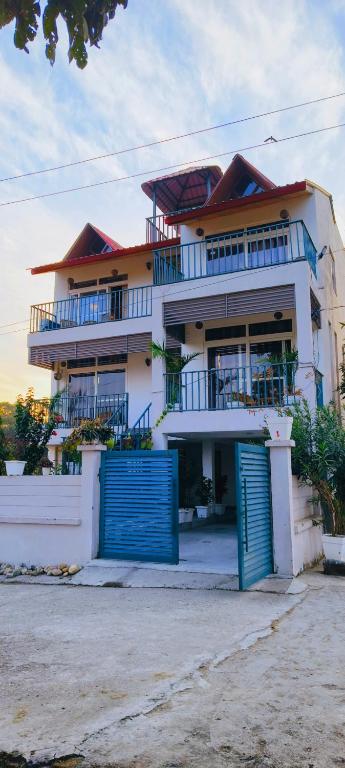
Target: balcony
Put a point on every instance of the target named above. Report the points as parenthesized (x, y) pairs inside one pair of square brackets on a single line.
[(265, 385), (118, 304), (71, 410), (252, 248), (157, 230)]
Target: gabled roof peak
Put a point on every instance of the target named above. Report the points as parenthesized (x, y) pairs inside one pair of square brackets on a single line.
[(91, 241), (241, 179)]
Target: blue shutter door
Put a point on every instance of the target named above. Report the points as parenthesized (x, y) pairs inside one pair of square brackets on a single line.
[(254, 516), (139, 506)]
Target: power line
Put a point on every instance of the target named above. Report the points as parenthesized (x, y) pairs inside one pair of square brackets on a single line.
[(173, 138), (170, 167), (230, 278), (18, 322)]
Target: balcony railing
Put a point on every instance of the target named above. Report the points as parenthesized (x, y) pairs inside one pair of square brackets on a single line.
[(71, 410), (119, 304), (262, 385), (265, 246), (157, 230)]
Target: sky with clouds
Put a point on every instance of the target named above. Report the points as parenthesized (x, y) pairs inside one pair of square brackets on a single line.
[(165, 67)]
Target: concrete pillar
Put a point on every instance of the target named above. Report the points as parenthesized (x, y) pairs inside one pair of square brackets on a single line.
[(159, 439), (90, 496), (158, 365), (305, 375), (282, 506)]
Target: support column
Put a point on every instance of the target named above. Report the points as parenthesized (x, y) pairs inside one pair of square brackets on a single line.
[(158, 365), (90, 496), (305, 374), (282, 506)]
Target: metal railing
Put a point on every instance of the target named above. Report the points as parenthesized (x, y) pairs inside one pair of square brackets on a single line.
[(70, 410), (264, 246), (261, 385), (118, 304), (157, 230), (143, 423)]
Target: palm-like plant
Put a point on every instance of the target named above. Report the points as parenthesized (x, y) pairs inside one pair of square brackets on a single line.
[(173, 363)]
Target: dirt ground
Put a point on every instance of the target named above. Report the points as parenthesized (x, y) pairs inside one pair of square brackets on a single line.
[(174, 679)]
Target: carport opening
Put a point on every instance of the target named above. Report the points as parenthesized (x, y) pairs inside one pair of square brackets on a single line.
[(207, 530)]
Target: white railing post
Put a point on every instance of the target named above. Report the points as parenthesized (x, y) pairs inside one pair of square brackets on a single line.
[(282, 507)]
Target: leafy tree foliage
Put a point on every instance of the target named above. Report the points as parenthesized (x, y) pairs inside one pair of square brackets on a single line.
[(34, 424), (3, 455), (85, 21), (318, 458)]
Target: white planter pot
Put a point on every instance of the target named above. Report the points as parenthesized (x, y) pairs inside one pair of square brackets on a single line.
[(15, 467), (219, 509), (334, 547), (202, 511), (182, 515), (189, 512), (280, 427), (46, 471)]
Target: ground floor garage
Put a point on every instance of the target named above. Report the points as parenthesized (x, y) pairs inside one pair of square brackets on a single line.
[(143, 494)]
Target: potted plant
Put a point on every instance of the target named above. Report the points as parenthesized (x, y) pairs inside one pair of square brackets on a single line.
[(221, 489), (46, 466), (14, 461), (174, 365), (89, 432), (205, 496), (318, 460)]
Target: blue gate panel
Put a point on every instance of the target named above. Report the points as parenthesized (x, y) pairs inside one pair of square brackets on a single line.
[(254, 518), (139, 506)]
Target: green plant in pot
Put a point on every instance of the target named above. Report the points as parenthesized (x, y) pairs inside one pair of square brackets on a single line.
[(89, 432), (221, 487), (46, 466), (205, 495), (318, 460), (174, 365)]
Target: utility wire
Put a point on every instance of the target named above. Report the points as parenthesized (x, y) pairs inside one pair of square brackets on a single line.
[(174, 138), (170, 167), (229, 278)]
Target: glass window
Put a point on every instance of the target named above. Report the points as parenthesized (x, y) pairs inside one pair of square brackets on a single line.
[(81, 384), (225, 332), (111, 383), (273, 326), (264, 251), (225, 254)]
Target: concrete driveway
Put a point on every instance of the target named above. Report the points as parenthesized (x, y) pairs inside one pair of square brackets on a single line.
[(75, 661), (159, 678)]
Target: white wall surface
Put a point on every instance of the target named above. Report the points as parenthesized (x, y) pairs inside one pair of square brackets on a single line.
[(307, 545), (49, 520)]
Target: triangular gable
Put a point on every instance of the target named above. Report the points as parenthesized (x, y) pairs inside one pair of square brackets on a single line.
[(240, 180), (90, 242)]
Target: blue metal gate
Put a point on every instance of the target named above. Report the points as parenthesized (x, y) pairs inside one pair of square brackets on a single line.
[(254, 515), (139, 506)]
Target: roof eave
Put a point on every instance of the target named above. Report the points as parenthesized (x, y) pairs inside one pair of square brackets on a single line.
[(95, 259), (240, 202)]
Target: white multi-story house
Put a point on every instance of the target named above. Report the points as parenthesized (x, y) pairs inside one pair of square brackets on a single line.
[(245, 273)]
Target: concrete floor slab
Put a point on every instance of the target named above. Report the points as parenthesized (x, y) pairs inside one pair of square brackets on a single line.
[(210, 549), (79, 666)]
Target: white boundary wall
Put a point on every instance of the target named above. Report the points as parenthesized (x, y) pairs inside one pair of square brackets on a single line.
[(50, 520), (307, 543)]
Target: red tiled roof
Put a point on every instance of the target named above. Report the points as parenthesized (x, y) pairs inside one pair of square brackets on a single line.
[(182, 189), (239, 202), (94, 258)]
